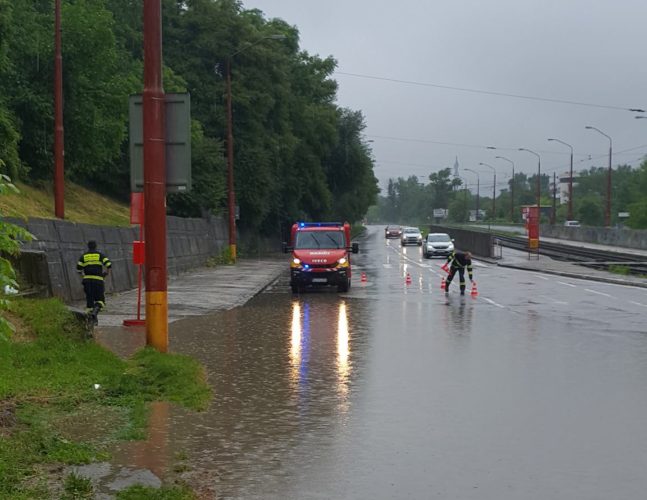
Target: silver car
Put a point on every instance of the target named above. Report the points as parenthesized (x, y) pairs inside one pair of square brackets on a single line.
[(411, 236), (437, 244)]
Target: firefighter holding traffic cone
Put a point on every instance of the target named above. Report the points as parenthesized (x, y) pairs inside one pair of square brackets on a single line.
[(458, 262)]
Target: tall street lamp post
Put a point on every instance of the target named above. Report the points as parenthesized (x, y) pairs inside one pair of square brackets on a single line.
[(231, 194), (511, 187), (607, 214), (493, 189), (538, 179), (478, 183), (570, 180), (464, 181)]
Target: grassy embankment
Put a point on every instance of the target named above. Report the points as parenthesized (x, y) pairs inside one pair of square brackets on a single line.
[(52, 413), (81, 205)]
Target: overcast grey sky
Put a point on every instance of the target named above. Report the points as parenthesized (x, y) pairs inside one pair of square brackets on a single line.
[(590, 51)]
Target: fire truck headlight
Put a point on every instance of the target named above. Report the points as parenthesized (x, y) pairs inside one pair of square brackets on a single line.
[(296, 261), (342, 261)]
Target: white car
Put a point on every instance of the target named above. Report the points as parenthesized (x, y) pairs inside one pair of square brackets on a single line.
[(572, 223), (411, 236), (437, 244)]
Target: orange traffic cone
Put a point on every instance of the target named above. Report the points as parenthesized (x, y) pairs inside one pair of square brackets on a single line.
[(474, 292), (408, 280), (363, 279), (443, 285)]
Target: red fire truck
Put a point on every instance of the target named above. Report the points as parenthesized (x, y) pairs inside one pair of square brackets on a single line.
[(320, 255)]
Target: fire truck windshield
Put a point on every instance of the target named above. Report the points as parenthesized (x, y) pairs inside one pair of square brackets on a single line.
[(319, 239)]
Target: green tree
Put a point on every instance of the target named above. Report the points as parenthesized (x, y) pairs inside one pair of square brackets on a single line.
[(9, 135), (350, 169), (590, 211), (10, 237), (441, 187)]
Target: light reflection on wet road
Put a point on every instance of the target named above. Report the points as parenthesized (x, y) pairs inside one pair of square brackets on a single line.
[(533, 390)]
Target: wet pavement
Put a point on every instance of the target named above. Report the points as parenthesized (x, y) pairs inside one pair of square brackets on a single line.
[(532, 389)]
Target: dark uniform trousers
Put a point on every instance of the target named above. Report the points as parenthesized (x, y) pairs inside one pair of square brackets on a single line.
[(459, 262), (91, 265)]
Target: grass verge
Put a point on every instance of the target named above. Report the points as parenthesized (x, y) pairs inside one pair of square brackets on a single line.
[(64, 399), (81, 205)]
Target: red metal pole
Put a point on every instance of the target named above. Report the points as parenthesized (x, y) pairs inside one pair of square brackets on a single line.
[(59, 152), (607, 218), (570, 190), (231, 197), (139, 279), (554, 212), (154, 180)]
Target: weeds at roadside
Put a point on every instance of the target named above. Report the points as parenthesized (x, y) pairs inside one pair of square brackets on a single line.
[(52, 412), (619, 269), (224, 258)]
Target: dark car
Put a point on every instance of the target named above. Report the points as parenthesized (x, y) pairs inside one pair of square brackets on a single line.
[(392, 231)]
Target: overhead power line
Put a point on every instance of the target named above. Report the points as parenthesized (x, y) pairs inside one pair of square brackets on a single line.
[(489, 92)]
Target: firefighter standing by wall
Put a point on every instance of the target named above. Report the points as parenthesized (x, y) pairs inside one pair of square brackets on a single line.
[(94, 267), (458, 262)]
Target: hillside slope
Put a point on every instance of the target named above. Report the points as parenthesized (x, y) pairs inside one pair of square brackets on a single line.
[(81, 205)]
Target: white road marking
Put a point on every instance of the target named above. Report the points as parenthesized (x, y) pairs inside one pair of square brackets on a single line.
[(596, 292), (493, 303), (387, 266), (637, 303), (567, 284)]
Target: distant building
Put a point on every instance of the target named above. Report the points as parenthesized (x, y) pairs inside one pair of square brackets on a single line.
[(563, 186), (456, 167)]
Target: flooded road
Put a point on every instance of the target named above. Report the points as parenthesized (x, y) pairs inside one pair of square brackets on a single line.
[(534, 389)]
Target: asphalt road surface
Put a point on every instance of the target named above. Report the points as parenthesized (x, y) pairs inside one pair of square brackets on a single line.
[(534, 389)]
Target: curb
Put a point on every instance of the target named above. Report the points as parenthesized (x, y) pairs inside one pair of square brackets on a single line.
[(615, 281), (255, 291)]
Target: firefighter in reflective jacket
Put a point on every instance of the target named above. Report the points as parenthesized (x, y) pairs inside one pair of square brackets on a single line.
[(94, 267), (458, 262)]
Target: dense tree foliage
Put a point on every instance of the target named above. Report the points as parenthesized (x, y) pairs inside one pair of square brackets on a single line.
[(297, 153), (408, 200)]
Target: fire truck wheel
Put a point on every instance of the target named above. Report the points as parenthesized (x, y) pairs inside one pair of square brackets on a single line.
[(344, 286)]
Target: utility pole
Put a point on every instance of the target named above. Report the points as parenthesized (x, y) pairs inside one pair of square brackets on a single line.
[(231, 196), (554, 214), (607, 212), (59, 151), (570, 180), (155, 180)]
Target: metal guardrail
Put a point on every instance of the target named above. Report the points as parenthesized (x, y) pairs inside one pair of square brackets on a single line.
[(598, 259)]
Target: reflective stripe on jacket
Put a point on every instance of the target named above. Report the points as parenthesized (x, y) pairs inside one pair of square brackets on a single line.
[(460, 261), (91, 265)]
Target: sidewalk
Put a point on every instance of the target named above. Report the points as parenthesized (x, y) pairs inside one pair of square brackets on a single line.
[(518, 259), (199, 292)]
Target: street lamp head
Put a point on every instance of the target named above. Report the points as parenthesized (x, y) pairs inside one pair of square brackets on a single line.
[(490, 147), (588, 127), (552, 139), (523, 149)]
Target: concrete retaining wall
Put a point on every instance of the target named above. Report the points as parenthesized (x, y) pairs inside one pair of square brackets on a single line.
[(477, 242), (628, 238), (190, 242)]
